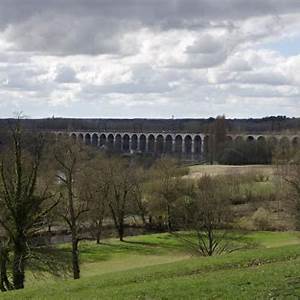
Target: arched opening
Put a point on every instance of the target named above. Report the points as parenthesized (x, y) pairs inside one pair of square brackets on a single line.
[(261, 140), (87, 139), (296, 142), (178, 145), (142, 143), (80, 138), (95, 139), (102, 141), (73, 137), (272, 142), (126, 143), (160, 144), (110, 142), (188, 146), (169, 144), (118, 143), (197, 146), (134, 142), (151, 143), (284, 144), (250, 139)]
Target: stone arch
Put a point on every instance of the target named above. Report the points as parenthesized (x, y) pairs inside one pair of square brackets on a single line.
[(134, 142), (143, 143), (95, 139), (262, 140), (284, 143), (197, 145), (73, 137), (126, 141), (250, 139), (169, 144), (80, 137), (102, 141), (160, 144), (118, 143), (110, 142), (272, 142), (188, 144), (151, 143), (178, 144), (87, 139)]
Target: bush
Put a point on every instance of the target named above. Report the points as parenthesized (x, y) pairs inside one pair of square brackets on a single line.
[(262, 219)]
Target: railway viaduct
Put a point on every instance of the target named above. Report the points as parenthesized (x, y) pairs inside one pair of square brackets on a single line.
[(188, 145)]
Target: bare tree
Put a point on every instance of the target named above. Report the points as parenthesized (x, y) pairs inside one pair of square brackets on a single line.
[(70, 158), (121, 178), (139, 195), (97, 192), (165, 188), (206, 215)]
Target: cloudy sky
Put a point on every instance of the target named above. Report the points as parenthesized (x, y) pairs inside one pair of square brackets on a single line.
[(149, 58)]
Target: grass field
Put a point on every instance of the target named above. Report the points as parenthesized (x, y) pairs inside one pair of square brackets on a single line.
[(199, 170), (158, 267)]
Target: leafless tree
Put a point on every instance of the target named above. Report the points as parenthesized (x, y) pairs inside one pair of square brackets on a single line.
[(71, 158), (165, 187), (121, 177), (206, 216)]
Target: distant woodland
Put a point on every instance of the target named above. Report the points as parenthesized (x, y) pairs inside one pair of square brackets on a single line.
[(267, 124)]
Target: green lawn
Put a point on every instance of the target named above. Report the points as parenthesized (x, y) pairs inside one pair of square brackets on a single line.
[(158, 267)]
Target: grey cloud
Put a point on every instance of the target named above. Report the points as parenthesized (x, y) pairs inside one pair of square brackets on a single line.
[(263, 77), (65, 74), (206, 44), (76, 26)]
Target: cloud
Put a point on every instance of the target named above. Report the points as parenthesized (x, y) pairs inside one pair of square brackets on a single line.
[(149, 58), (65, 74)]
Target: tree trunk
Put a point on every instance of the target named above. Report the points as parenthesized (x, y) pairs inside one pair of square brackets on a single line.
[(19, 263), (169, 222), (99, 232), (121, 232), (5, 285), (75, 258)]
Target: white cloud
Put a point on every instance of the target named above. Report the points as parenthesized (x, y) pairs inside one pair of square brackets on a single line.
[(148, 58)]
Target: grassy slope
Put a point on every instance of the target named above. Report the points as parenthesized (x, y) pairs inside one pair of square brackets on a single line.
[(260, 273)]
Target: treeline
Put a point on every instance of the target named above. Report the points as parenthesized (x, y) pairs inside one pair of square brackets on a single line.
[(220, 148), (267, 124)]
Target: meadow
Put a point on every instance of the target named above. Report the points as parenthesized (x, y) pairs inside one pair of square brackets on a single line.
[(158, 266)]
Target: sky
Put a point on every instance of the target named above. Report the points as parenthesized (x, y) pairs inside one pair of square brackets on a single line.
[(149, 58)]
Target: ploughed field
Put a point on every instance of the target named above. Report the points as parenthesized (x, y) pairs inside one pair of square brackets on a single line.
[(159, 266)]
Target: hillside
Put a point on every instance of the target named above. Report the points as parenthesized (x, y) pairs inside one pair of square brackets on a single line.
[(270, 270)]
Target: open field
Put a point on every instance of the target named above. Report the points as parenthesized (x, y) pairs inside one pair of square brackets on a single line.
[(159, 267), (213, 170)]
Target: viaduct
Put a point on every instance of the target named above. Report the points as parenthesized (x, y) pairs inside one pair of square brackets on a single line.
[(187, 145)]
